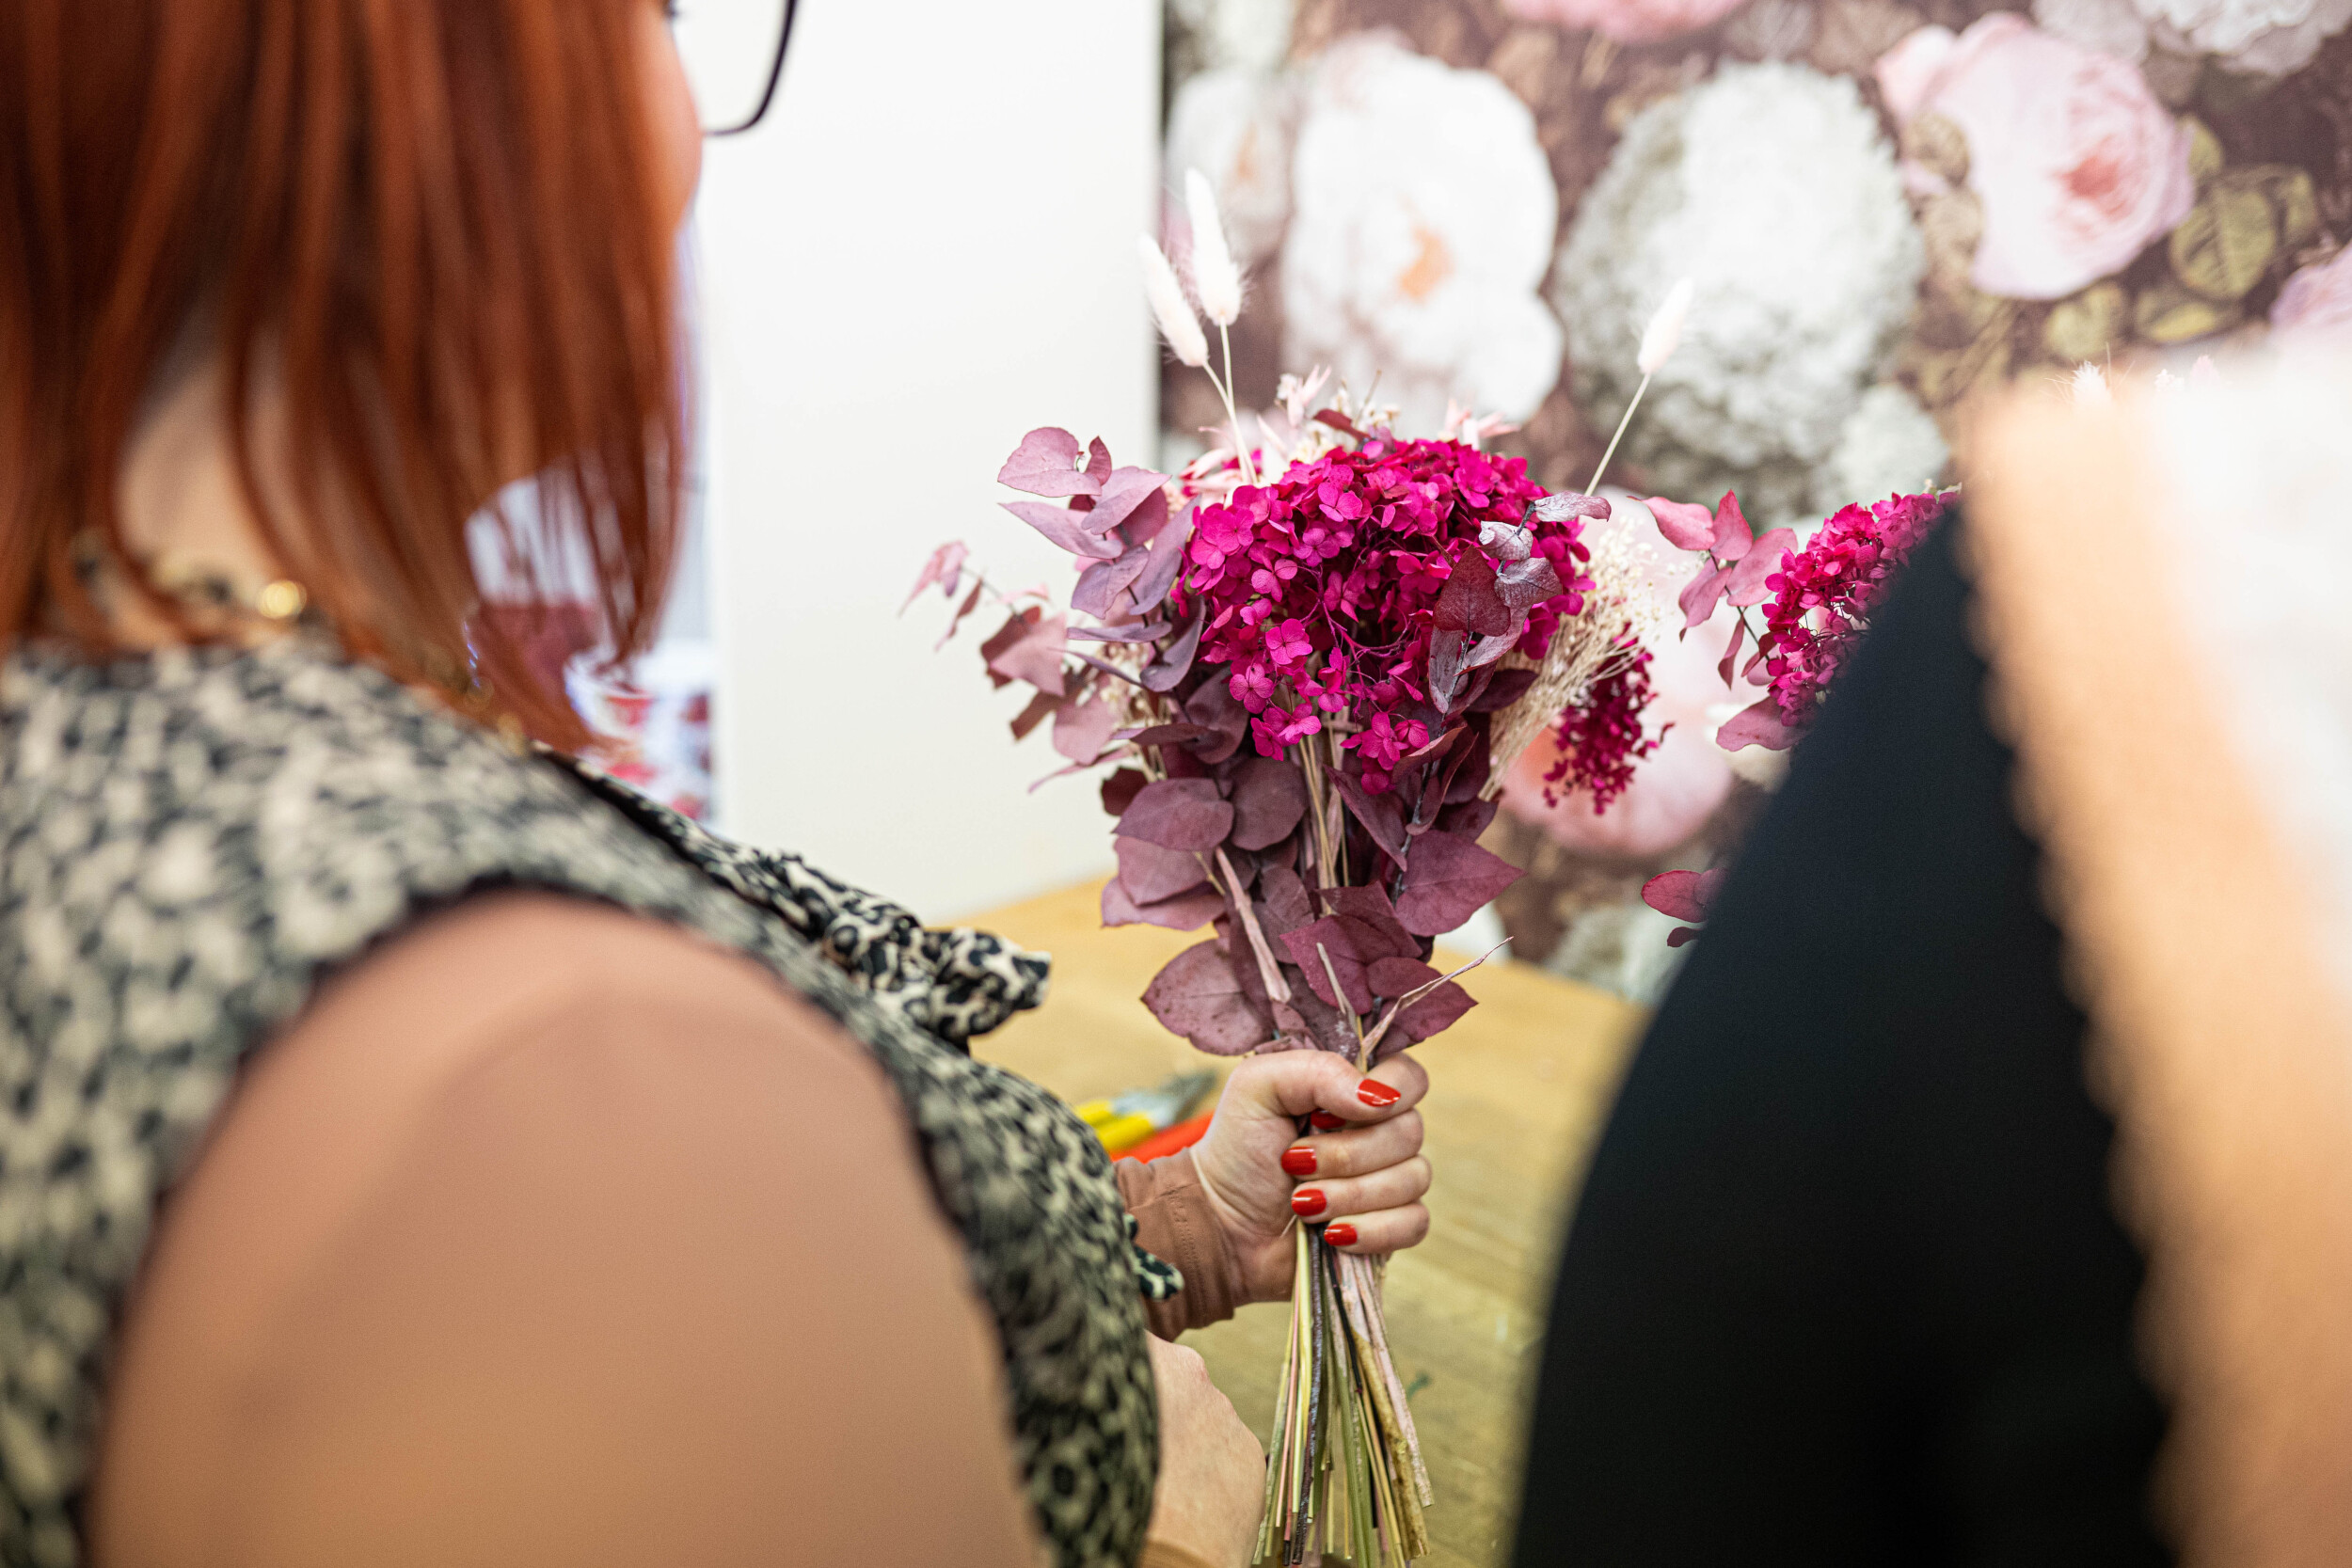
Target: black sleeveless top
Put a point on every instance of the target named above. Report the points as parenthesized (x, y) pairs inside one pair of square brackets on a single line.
[(191, 841), (1845, 1286)]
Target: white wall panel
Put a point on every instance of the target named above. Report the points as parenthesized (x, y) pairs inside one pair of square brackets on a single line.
[(927, 249)]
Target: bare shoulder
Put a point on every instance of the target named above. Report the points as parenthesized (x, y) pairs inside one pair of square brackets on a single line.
[(510, 987), (543, 1228)]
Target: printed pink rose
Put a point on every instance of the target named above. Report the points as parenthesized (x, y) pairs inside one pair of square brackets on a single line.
[(2314, 309), (2078, 165), (1627, 21)]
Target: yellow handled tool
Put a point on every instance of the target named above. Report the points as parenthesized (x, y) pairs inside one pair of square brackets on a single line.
[(1125, 1120)]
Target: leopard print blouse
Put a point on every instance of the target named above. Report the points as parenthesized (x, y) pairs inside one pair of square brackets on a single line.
[(191, 841)]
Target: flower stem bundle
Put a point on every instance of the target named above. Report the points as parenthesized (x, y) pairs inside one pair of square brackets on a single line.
[(1346, 1478)]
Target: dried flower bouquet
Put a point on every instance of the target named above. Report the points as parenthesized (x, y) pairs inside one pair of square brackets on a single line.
[(1308, 661)]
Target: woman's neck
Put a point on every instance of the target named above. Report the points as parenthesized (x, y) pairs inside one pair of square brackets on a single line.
[(186, 515)]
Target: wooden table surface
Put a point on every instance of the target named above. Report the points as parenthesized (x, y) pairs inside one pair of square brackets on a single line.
[(1517, 1091)]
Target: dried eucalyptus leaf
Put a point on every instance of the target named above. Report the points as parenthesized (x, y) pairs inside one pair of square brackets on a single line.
[(1060, 525), (1100, 583), (1501, 689), (1269, 799), (1382, 816), (1469, 818), (944, 567), (1440, 1010), (1759, 724), (1145, 632), (1186, 912), (1126, 493), (1337, 939), (1471, 601), (1171, 734), (1686, 525), (1214, 707), (1175, 660), (1449, 654), (1046, 464), (1684, 894), (1168, 558), (1154, 873), (1283, 900), (1746, 585), (1032, 654), (1374, 919), (971, 602), (1198, 996), (1120, 789), (1082, 730), (1178, 814), (1394, 977), (1041, 708), (1449, 880)]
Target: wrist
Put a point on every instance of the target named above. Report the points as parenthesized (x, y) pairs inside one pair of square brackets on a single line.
[(1180, 1219)]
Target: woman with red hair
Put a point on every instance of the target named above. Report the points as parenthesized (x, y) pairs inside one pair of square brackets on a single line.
[(413, 1148)]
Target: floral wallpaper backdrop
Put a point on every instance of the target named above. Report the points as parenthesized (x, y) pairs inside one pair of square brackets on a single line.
[(1886, 205)]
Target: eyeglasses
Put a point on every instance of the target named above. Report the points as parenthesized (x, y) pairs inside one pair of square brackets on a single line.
[(733, 56)]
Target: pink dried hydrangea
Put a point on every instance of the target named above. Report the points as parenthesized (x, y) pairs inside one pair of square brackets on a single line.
[(1320, 590), (1824, 595)]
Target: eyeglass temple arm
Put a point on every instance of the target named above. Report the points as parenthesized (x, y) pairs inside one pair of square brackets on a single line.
[(775, 76)]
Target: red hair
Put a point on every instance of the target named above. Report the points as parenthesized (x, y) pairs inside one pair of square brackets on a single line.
[(431, 228)]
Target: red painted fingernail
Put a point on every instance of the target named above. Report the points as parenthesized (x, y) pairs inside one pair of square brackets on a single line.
[(1323, 1121), (1342, 1234), (1299, 1161), (1308, 1201), (1377, 1095)]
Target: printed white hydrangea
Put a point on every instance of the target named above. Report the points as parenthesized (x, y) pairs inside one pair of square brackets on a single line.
[(2112, 26), (2269, 36), (1246, 35), (1422, 224), (1889, 445), (1772, 187), (1236, 127)]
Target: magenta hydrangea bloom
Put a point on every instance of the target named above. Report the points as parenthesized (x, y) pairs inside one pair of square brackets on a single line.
[(1319, 589), (1824, 595)]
